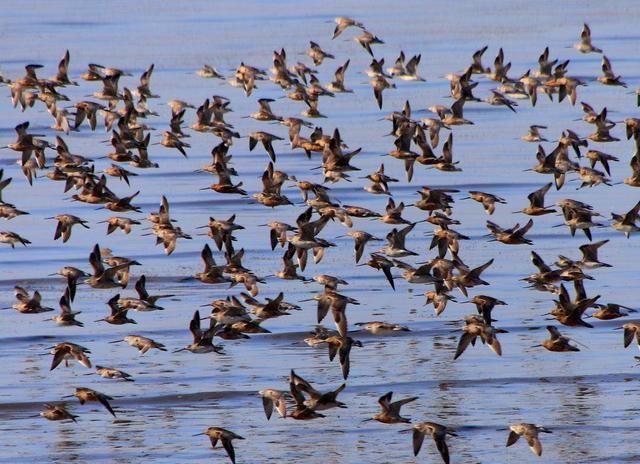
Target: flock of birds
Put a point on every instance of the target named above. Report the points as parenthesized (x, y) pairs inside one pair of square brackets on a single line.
[(124, 113)]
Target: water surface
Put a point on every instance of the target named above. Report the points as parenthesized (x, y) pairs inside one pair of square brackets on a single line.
[(586, 398)]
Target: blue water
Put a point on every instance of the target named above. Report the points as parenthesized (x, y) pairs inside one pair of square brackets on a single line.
[(588, 398)]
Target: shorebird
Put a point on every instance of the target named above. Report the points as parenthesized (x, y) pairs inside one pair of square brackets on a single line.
[(476, 64), (28, 304), (631, 330), (87, 394), (267, 141), (382, 328), (609, 311), (343, 23), (438, 298), (468, 278), (111, 373), (419, 275), (455, 117), (391, 411), (221, 230), (411, 70), (12, 239), (379, 83), (485, 304), (319, 335), (603, 126), (72, 274), (536, 202), (438, 433), (578, 216), (119, 222), (569, 312), (534, 134), (632, 128), (361, 239), (476, 327), (498, 99), (317, 401), (171, 140), (337, 85), (3, 184), (105, 278), (608, 77), (366, 39), (109, 90), (511, 236), (273, 398), (383, 264), (137, 304), (118, 315), (225, 436), (393, 213), (202, 339), (265, 113), (585, 45), (65, 223), (209, 72), (488, 200), (67, 316), (396, 247), (545, 275), (380, 181), (500, 69), (530, 433), (317, 54), (87, 110), (445, 162), (57, 412), (398, 67), (119, 172), (212, 273), (143, 344), (302, 411), (376, 68), (143, 295), (589, 258), (596, 156), (67, 351), (634, 179), (557, 341), (337, 303), (122, 275), (342, 345), (627, 223)]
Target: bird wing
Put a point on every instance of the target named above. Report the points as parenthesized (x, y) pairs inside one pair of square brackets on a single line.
[(512, 438), (465, 339), (228, 446), (418, 439), (267, 404)]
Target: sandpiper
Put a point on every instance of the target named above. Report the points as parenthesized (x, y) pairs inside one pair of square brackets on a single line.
[(530, 433), (391, 410), (438, 433)]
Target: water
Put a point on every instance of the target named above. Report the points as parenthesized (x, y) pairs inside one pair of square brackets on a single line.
[(586, 398)]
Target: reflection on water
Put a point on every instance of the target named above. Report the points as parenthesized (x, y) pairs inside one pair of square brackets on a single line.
[(586, 398)]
